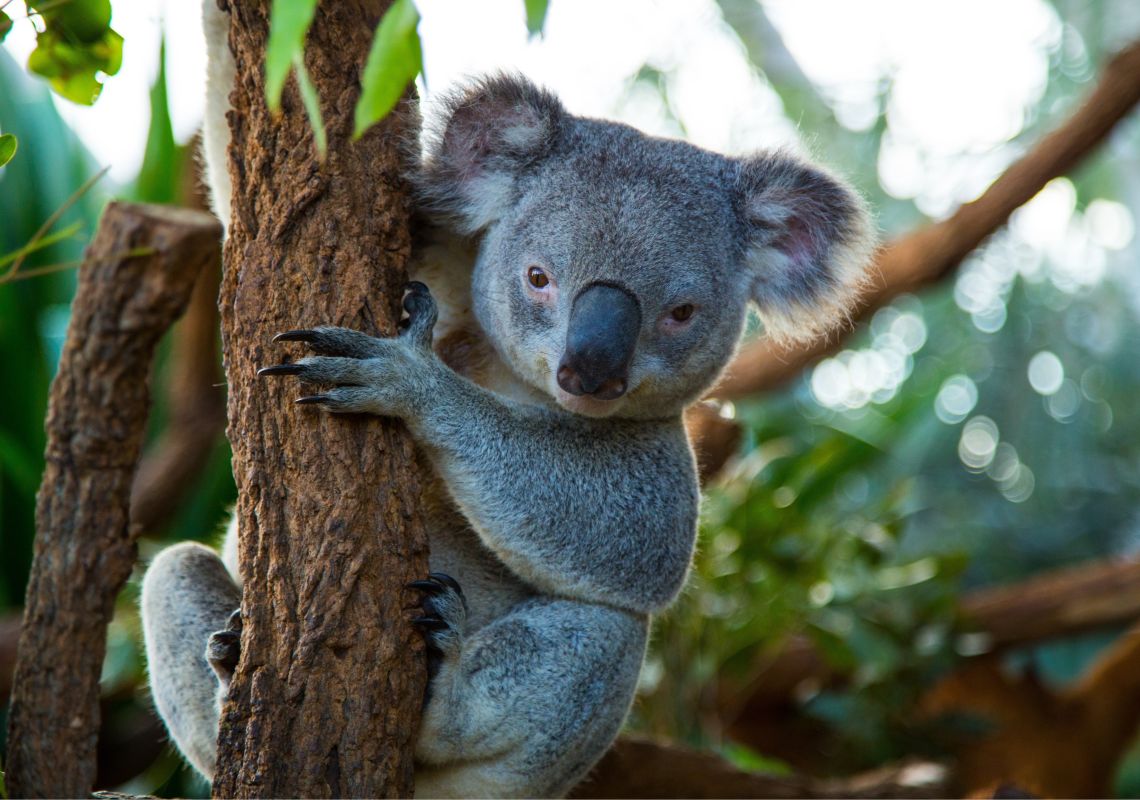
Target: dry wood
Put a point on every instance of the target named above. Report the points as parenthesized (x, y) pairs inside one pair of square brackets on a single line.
[(196, 401), (135, 280), (327, 695), (636, 767)]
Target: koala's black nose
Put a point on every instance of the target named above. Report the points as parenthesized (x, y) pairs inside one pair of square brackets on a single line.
[(604, 324)]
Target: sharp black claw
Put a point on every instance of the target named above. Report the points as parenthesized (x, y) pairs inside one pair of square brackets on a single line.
[(446, 580), (296, 336), (431, 587), (281, 369), (314, 399), (432, 623)]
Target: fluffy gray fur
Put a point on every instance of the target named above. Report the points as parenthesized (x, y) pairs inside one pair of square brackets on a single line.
[(567, 520)]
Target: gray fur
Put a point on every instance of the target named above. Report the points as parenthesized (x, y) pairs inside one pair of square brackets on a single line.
[(567, 520)]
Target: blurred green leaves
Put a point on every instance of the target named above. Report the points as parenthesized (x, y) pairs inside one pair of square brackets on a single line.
[(77, 48), (394, 61), (7, 148), (536, 15)]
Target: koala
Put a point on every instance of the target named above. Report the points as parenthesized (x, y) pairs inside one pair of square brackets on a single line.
[(576, 285)]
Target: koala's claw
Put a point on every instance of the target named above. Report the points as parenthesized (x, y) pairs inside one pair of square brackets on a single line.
[(313, 399), (422, 314), (299, 335), (223, 649), (281, 369), (444, 618)]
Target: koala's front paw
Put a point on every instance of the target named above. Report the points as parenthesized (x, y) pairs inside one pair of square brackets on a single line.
[(370, 375), (444, 619), (223, 649)]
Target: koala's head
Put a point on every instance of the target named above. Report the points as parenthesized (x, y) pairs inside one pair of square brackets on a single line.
[(615, 269)]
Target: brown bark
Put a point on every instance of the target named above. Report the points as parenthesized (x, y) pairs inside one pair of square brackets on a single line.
[(636, 767), (194, 387), (928, 254), (135, 280), (327, 695), (196, 401)]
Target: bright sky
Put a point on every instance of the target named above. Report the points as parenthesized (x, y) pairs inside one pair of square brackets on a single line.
[(946, 110)]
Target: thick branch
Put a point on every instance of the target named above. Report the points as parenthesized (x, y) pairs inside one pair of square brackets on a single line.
[(326, 698), (637, 767), (196, 400), (135, 280), (927, 255)]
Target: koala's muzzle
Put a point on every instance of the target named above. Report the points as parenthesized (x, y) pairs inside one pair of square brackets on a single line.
[(604, 324)]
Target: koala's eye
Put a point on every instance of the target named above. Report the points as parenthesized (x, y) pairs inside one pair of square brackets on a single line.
[(537, 278), (682, 313)]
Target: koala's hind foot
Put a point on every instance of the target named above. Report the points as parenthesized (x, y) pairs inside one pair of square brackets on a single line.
[(530, 701), (223, 649), (444, 620)]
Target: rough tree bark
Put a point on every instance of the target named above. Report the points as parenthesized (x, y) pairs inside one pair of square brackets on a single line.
[(135, 280), (327, 694)]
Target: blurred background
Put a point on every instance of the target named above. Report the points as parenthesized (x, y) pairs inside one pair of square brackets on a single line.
[(925, 545)]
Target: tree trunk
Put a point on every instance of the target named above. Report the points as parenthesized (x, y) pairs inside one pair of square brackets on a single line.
[(326, 698), (135, 280)]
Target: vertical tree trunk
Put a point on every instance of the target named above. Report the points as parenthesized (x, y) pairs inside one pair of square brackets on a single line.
[(135, 281), (326, 698)]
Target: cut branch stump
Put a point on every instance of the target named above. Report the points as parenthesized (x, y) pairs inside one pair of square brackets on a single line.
[(135, 281)]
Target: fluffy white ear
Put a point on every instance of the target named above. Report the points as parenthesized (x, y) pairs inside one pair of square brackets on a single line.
[(488, 135), (810, 241)]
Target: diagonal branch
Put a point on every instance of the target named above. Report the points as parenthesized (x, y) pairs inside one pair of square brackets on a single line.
[(929, 254)]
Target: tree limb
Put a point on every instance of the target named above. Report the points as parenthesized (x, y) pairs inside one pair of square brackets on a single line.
[(135, 280), (929, 254)]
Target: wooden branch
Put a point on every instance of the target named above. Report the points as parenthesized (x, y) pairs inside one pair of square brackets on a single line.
[(196, 400), (135, 280), (636, 768), (1047, 606), (931, 253), (194, 388), (327, 695)]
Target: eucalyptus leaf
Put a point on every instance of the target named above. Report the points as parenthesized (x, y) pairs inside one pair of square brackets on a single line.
[(5, 25), (536, 15), (312, 105), (289, 21), (7, 148), (393, 62)]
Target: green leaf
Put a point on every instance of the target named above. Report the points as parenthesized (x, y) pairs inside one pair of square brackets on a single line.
[(7, 148), (312, 105), (536, 15), (79, 21), (158, 178), (5, 25), (74, 68), (289, 21), (393, 62)]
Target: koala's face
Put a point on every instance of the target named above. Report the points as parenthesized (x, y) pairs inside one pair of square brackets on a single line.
[(615, 269)]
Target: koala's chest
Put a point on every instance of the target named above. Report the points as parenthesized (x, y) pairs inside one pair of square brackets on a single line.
[(445, 268)]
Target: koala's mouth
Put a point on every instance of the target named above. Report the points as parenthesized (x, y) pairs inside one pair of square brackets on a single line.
[(587, 405)]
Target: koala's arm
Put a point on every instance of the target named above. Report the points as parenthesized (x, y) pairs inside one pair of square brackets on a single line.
[(598, 510)]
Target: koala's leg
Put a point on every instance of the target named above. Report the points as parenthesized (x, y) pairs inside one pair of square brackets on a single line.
[(187, 598), (526, 705)]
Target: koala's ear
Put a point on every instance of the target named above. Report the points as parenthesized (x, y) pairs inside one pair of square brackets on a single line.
[(487, 136), (809, 244)]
